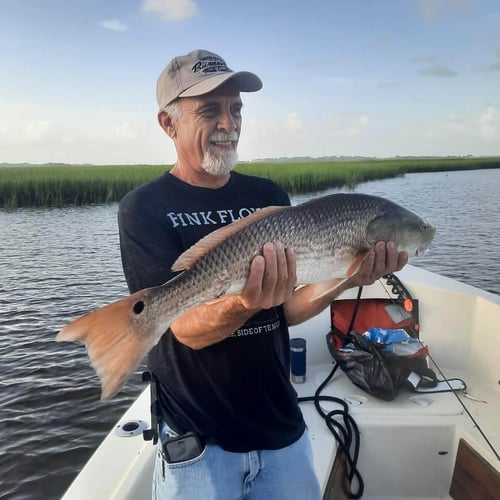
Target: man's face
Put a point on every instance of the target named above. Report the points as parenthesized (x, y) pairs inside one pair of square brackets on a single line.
[(208, 130)]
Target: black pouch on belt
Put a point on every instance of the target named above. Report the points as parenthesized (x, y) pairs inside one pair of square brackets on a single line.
[(182, 448)]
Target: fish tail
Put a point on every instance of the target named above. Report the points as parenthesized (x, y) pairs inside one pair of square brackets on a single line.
[(115, 339)]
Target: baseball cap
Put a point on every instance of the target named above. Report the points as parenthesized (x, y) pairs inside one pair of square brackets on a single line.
[(198, 73)]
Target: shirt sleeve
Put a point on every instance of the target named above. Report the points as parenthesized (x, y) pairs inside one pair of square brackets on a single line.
[(282, 198), (147, 248)]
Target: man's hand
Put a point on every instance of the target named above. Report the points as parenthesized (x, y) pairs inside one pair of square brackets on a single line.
[(271, 282), (384, 259), (272, 278)]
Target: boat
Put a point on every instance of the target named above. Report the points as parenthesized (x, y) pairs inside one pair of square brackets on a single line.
[(434, 445)]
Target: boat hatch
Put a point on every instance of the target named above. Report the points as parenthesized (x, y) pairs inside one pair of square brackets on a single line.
[(129, 428)]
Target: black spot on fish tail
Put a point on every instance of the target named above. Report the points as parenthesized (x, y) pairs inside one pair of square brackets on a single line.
[(139, 307)]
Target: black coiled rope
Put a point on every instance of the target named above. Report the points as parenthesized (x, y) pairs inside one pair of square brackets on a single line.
[(345, 431)]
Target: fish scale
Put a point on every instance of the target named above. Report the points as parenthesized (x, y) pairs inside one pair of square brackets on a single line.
[(330, 236)]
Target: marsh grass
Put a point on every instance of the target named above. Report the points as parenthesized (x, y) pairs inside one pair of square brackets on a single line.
[(57, 186), (70, 185), (304, 177)]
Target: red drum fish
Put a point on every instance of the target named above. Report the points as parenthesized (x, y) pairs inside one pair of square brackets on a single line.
[(330, 235)]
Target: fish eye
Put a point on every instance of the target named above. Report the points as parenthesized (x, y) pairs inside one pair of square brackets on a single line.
[(138, 307)]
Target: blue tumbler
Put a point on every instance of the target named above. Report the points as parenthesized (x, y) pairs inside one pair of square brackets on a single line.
[(298, 360)]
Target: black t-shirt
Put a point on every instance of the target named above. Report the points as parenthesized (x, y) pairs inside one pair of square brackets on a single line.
[(235, 392)]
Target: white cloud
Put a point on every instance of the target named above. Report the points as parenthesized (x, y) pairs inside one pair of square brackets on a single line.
[(431, 10), (455, 123), (438, 70), (488, 115), (483, 126), (349, 125), (493, 67), (387, 84), (342, 80), (171, 10), (293, 122), (489, 124), (359, 124), (37, 131), (423, 59), (81, 136), (125, 132), (69, 138), (114, 25)]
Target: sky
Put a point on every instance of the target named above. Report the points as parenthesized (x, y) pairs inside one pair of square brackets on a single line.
[(341, 77)]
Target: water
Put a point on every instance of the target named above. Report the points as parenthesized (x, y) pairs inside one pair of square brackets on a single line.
[(56, 264), (465, 208)]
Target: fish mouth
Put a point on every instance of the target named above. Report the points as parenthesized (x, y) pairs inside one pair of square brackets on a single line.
[(427, 227), (430, 230), (417, 242), (420, 251)]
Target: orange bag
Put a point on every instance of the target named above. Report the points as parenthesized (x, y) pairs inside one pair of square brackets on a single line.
[(381, 313)]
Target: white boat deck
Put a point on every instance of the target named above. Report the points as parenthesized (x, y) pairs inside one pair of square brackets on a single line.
[(408, 445)]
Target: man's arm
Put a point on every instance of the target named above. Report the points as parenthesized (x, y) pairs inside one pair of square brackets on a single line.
[(270, 283)]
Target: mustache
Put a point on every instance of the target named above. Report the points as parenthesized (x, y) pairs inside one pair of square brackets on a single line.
[(222, 136)]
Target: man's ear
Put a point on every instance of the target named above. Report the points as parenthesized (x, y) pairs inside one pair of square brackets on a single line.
[(166, 123)]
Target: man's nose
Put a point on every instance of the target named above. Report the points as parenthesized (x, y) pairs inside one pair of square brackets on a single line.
[(227, 122)]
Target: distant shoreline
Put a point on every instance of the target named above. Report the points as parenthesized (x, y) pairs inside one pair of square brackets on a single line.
[(58, 185), (281, 159)]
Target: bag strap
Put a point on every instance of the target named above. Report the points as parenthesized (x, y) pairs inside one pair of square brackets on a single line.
[(355, 311)]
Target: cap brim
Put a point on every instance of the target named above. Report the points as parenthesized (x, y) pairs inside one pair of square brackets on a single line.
[(244, 80)]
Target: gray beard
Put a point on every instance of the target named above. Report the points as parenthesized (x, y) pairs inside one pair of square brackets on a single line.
[(219, 165)]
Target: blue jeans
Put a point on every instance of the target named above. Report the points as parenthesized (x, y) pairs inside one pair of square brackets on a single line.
[(285, 474)]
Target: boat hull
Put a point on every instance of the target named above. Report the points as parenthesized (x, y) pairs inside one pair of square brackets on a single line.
[(408, 445)]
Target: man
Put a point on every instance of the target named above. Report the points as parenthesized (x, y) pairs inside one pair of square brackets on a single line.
[(232, 391)]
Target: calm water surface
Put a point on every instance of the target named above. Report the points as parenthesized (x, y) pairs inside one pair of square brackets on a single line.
[(56, 264)]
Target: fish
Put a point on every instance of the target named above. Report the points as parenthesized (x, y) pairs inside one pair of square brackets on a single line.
[(331, 236)]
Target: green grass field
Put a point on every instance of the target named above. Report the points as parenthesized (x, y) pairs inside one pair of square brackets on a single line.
[(55, 186)]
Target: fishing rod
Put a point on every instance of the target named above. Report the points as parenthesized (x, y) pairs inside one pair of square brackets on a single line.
[(402, 293)]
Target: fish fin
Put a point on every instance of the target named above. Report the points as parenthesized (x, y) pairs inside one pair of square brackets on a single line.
[(325, 287), (115, 343), (235, 288), (203, 246), (356, 264), (216, 300)]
